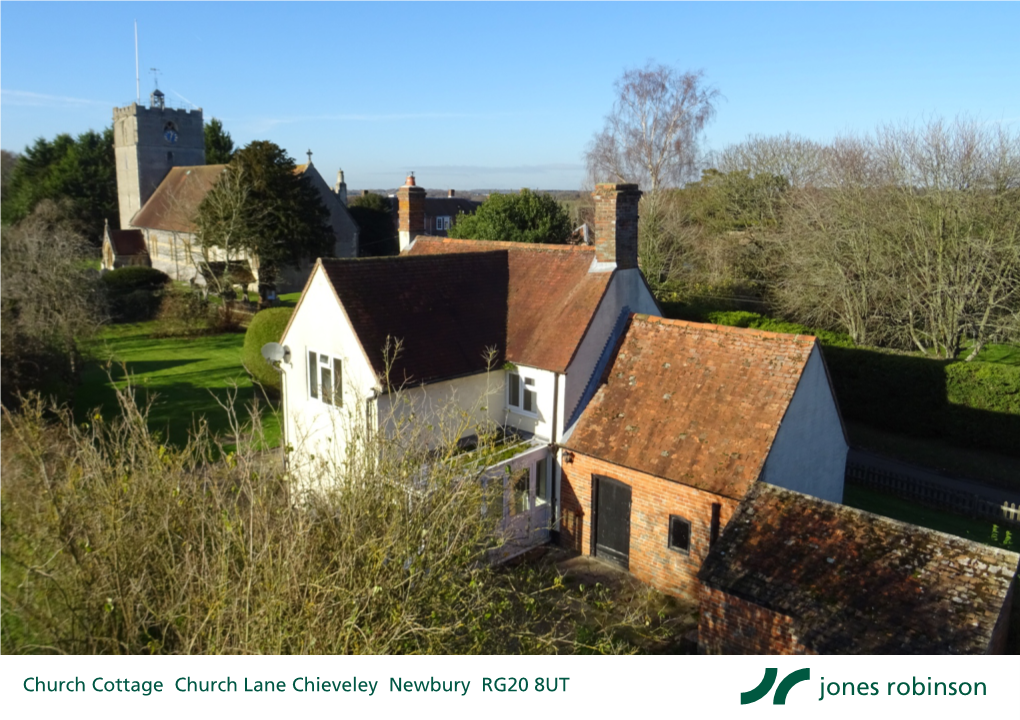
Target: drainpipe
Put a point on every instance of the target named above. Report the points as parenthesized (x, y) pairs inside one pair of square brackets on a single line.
[(555, 485)]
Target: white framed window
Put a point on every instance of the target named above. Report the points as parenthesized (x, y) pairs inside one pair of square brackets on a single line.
[(521, 394), (325, 378), (443, 222)]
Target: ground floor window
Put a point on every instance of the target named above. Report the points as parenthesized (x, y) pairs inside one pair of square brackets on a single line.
[(679, 534)]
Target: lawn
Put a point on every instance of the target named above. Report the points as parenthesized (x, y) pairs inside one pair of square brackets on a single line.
[(182, 379), (983, 531)]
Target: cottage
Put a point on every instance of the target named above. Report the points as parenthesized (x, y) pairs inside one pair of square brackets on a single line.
[(793, 574), (687, 418), (512, 334)]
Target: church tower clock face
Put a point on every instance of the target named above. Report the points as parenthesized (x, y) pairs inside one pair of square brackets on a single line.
[(170, 132)]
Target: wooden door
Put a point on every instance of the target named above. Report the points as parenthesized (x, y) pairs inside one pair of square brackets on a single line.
[(612, 521)]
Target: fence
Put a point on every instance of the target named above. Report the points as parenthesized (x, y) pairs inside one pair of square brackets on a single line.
[(931, 494)]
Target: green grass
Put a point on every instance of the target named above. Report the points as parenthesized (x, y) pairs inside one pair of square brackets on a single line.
[(181, 378), (988, 467), (290, 299), (982, 531), (1001, 354)]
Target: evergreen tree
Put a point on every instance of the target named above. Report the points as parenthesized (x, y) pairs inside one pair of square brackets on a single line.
[(525, 217)]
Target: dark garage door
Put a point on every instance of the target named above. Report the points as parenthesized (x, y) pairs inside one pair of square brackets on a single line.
[(612, 521)]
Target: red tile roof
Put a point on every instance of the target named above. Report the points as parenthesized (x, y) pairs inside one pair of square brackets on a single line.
[(446, 311), (552, 296), (174, 204), (694, 403), (128, 242), (854, 582)]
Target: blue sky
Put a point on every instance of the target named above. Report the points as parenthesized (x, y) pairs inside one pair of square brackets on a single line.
[(494, 95)]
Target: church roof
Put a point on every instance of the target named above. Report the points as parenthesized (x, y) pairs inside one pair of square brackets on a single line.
[(127, 242), (552, 296), (694, 403), (854, 582), (174, 204)]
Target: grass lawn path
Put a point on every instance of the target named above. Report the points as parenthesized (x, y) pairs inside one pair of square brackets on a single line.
[(181, 377)]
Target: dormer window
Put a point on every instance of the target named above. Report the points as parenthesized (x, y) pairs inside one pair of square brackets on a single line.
[(521, 393), (443, 222)]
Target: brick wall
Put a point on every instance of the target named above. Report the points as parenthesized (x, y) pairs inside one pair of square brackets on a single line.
[(653, 500), (616, 223), (731, 626), (1000, 633)]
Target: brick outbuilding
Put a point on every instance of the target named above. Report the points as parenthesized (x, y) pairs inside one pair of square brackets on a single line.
[(686, 419), (793, 574)]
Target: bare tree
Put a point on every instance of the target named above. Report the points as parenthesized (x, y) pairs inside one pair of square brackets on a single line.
[(956, 189), (651, 135), (51, 304), (799, 160)]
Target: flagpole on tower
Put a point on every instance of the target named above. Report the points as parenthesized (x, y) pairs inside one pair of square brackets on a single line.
[(138, 87)]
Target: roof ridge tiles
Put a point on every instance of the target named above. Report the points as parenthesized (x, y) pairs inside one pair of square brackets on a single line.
[(730, 329), (508, 245)]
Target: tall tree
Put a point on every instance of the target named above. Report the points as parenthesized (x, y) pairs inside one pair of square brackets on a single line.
[(525, 217), (219, 147), (261, 206), (81, 170), (651, 135)]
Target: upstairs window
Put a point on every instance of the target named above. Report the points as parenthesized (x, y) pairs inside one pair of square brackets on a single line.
[(325, 378), (443, 222), (521, 393)]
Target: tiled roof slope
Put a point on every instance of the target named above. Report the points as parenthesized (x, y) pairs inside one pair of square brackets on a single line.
[(128, 242), (174, 204), (854, 582), (446, 311), (693, 403), (552, 296)]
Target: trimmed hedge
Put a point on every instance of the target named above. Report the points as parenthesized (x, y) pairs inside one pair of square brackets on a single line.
[(134, 292), (267, 326)]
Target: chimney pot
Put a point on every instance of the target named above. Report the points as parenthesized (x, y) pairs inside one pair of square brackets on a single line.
[(450, 193), (616, 223), (410, 212)]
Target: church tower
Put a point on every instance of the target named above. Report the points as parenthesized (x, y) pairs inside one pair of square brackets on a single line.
[(148, 141)]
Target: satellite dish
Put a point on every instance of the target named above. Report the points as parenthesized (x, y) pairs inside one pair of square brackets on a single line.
[(275, 352)]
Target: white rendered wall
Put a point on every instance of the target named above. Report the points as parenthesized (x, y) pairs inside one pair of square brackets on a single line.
[(540, 423), (447, 410), (319, 433), (809, 452), (626, 289)]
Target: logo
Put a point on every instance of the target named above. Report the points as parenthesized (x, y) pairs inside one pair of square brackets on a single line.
[(751, 696)]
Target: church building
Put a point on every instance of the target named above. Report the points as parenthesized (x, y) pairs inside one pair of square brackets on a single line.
[(162, 179)]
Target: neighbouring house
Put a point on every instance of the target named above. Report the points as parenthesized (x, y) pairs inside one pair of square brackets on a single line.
[(437, 213), (122, 248), (686, 419), (162, 179), (511, 333), (792, 574)]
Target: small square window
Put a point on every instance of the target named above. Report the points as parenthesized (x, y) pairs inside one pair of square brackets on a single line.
[(679, 534)]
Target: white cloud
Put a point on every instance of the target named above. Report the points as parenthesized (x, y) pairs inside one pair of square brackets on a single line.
[(31, 99)]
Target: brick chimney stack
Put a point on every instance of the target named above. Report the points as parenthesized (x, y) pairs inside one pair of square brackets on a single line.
[(410, 212), (450, 193), (616, 224)]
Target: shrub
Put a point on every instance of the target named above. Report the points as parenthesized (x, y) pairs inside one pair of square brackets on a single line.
[(183, 313), (134, 292), (136, 277), (267, 326)]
